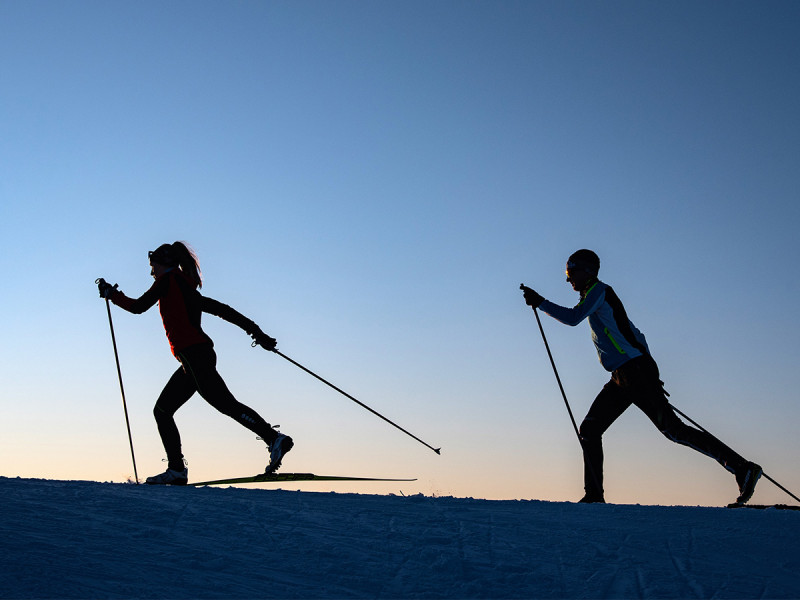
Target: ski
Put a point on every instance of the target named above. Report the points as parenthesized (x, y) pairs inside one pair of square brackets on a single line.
[(278, 477), (765, 506)]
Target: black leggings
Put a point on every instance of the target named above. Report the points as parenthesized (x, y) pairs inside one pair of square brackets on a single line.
[(198, 373), (637, 382)]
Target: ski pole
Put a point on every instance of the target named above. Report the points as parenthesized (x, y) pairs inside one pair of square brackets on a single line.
[(297, 364), (121, 387), (558, 379), (701, 428), (563, 393)]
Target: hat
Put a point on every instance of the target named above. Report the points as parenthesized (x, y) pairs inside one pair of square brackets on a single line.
[(163, 255), (585, 260)]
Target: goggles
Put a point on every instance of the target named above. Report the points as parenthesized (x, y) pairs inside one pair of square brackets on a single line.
[(572, 267), (162, 257)]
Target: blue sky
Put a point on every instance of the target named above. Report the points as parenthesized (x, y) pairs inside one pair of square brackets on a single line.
[(370, 182)]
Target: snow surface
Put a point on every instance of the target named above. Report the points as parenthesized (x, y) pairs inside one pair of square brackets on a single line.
[(80, 539)]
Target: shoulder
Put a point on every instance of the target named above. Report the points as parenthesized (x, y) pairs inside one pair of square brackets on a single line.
[(186, 283), (596, 293), (161, 284), (599, 289)]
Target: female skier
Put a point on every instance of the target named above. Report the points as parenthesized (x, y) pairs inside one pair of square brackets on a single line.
[(177, 279)]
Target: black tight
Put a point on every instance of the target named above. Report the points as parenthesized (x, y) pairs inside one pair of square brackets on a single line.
[(198, 373), (637, 382)]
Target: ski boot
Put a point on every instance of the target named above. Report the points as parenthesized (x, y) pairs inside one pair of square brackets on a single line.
[(277, 450), (747, 477), (592, 498), (170, 477)]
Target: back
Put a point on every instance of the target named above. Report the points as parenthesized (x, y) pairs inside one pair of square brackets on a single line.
[(180, 305)]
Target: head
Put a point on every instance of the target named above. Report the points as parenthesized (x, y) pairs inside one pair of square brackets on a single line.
[(177, 255), (582, 268)]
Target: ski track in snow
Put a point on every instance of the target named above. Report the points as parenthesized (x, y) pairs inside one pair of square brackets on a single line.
[(78, 539)]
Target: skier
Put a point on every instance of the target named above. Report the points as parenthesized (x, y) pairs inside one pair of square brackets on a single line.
[(635, 379), (177, 279)]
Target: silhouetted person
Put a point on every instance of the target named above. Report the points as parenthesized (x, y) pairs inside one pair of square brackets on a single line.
[(634, 379), (177, 279)]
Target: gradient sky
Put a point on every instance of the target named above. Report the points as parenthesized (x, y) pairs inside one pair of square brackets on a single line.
[(370, 182)]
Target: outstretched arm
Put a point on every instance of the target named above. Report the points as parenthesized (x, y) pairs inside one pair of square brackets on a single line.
[(568, 316), (573, 316), (134, 305), (231, 315)]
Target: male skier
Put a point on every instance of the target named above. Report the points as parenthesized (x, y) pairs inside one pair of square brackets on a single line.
[(634, 379)]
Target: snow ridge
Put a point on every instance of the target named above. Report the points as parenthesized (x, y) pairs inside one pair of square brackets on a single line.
[(79, 539)]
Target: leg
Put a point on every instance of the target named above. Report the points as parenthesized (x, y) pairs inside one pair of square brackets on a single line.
[(176, 393), (200, 362), (663, 416), (643, 381), (610, 403)]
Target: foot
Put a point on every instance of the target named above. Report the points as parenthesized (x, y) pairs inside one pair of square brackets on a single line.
[(592, 498), (277, 450), (747, 477), (170, 477)]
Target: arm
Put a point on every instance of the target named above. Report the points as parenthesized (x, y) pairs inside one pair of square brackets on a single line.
[(572, 316), (144, 302), (225, 312)]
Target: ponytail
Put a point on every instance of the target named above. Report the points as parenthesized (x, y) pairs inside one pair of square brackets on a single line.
[(180, 255), (187, 260)]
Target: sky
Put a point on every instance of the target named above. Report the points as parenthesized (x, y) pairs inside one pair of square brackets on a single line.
[(370, 182)]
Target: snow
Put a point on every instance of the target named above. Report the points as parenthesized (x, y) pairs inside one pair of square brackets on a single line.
[(83, 539)]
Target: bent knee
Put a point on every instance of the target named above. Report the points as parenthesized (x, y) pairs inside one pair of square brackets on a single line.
[(160, 414), (590, 429)]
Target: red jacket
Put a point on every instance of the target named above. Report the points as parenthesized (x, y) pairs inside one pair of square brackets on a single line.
[(181, 307)]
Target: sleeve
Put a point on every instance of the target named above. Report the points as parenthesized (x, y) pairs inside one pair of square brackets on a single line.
[(144, 302), (225, 312), (572, 316)]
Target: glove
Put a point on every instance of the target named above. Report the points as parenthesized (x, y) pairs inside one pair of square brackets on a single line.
[(105, 289), (532, 299), (263, 340)]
